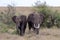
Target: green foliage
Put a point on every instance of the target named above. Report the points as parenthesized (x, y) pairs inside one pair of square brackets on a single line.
[(3, 27), (4, 30), (6, 16), (6, 22), (43, 8), (14, 32)]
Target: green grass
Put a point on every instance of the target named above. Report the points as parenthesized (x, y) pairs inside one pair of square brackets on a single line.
[(4, 28)]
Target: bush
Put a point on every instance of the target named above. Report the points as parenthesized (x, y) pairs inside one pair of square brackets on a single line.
[(44, 9), (3, 27), (6, 16)]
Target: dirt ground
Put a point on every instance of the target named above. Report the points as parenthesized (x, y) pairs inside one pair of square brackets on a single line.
[(45, 34)]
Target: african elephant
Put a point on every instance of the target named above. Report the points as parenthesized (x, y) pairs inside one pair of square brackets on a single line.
[(34, 22), (21, 22)]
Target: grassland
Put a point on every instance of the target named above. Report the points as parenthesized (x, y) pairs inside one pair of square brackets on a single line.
[(26, 10), (45, 34)]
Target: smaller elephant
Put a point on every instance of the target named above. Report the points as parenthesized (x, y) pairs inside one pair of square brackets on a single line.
[(21, 22)]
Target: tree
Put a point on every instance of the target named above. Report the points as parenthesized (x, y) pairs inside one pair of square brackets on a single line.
[(9, 13), (44, 9)]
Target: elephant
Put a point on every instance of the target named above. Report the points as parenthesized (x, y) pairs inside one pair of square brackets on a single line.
[(34, 22), (21, 22)]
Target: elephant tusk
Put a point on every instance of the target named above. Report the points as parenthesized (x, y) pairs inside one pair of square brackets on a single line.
[(37, 26)]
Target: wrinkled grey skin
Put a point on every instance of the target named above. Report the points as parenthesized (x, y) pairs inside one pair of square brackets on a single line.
[(21, 23), (34, 22)]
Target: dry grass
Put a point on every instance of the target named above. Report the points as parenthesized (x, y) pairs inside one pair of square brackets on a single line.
[(26, 10), (19, 10), (55, 8), (45, 34)]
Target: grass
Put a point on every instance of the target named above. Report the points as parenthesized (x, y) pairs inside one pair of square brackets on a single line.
[(45, 34), (4, 28)]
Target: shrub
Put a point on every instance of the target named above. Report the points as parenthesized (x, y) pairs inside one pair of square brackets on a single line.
[(6, 16), (43, 8)]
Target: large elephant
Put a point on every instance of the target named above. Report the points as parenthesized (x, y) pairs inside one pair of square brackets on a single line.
[(34, 22), (21, 22)]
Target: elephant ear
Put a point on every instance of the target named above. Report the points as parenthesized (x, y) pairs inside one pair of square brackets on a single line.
[(14, 19)]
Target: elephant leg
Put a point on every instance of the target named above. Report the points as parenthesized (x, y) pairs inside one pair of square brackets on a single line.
[(29, 25), (21, 32), (24, 29), (37, 31), (29, 28), (25, 25)]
